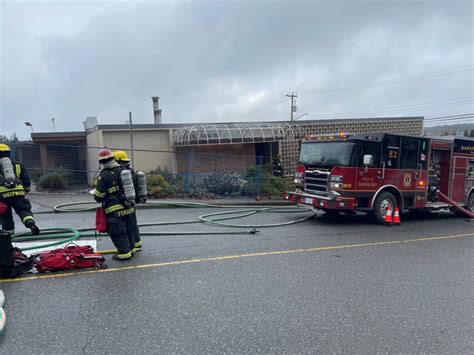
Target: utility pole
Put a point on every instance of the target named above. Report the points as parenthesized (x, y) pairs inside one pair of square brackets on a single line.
[(131, 138), (54, 128), (293, 107)]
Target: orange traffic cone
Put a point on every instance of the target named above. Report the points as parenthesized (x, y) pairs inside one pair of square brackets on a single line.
[(396, 218), (388, 217)]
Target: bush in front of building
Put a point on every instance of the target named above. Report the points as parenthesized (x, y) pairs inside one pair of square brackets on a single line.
[(157, 185), (266, 183), (52, 181), (226, 184)]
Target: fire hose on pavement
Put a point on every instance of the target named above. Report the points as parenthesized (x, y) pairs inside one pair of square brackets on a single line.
[(444, 198), (67, 235)]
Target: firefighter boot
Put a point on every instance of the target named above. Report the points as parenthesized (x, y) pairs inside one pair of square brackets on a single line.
[(138, 247), (31, 225), (122, 256)]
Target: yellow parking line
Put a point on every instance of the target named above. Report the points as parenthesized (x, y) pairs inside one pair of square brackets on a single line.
[(233, 257)]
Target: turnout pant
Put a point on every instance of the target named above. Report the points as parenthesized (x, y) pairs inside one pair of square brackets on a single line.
[(136, 232), (122, 232), (22, 207)]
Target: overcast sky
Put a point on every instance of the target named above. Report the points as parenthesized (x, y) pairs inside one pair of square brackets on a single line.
[(217, 61)]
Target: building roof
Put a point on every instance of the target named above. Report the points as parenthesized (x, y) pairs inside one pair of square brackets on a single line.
[(126, 126), (59, 136), (217, 132)]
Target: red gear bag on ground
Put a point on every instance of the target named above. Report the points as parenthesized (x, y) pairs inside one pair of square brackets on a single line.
[(68, 258)]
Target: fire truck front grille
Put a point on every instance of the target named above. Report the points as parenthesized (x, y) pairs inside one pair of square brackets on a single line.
[(316, 182)]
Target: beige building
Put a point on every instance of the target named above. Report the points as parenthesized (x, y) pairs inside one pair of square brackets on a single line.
[(202, 148)]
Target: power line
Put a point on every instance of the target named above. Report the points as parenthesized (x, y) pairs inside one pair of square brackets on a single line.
[(443, 72), (418, 106), (460, 115)]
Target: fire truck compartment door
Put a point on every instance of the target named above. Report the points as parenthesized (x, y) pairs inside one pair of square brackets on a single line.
[(458, 179)]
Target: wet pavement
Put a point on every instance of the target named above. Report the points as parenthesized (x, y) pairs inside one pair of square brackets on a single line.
[(330, 284)]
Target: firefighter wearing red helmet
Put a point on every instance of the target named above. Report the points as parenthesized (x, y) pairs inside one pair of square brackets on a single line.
[(14, 184), (109, 191)]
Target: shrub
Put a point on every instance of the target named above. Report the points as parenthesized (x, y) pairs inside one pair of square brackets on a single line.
[(52, 181), (157, 185), (266, 183), (226, 184)]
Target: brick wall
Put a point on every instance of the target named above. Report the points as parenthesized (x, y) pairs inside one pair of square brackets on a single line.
[(215, 158)]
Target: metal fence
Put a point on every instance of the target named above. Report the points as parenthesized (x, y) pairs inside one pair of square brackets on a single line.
[(72, 168)]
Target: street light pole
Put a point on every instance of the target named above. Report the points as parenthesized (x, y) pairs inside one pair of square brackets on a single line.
[(54, 128), (29, 125)]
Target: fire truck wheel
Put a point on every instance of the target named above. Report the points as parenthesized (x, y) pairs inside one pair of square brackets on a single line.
[(381, 205), (470, 203)]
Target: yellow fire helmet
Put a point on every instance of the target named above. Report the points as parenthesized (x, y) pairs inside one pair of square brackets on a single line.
[(4, 148), (120, 155)]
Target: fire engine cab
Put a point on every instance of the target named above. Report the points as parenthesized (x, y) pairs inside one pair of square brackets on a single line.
[(373, 172)]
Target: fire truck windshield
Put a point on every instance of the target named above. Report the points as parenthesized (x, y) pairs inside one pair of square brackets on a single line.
[(327, 154)]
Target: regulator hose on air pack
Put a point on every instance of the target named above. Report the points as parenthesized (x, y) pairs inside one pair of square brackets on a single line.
[(216, 219)]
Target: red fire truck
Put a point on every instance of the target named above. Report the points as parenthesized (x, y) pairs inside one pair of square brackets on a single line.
[(373, 172)]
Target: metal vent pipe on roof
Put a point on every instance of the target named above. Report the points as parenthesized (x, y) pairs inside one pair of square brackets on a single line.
[(156, 110)]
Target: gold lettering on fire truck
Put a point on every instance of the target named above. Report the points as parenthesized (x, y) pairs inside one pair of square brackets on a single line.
[(407, 179), (367, 181)]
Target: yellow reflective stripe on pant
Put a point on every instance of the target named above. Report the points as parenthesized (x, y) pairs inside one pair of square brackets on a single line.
[(113, 208), (26, 218)]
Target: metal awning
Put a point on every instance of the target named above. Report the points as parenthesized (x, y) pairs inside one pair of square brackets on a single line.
[(227, 133)]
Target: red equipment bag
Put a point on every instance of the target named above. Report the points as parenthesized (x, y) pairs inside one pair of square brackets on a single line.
[(100, 220), (68, 258)]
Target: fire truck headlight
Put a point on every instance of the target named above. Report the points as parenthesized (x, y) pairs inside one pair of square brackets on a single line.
[(299, 178), (336, 178), (336, 185)]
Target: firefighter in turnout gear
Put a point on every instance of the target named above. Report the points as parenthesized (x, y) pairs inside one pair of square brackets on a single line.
[(14, 184), (119, 211), (122, 158)]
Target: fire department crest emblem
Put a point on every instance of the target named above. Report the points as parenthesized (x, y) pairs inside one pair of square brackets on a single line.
[(407, 180)]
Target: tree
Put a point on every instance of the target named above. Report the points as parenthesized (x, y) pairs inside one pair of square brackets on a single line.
[(466, 134), (472, 133)]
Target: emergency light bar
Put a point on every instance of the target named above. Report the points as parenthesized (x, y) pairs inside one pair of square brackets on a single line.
[(327, 136)]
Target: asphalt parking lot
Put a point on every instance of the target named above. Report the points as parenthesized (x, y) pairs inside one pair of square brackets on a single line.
[(330, 284)]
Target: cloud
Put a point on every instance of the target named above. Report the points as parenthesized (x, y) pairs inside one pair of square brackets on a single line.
[(226, 61)]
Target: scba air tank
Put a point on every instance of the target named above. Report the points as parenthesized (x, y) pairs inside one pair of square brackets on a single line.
[(127, 185), (141, 182), (8, 171)]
